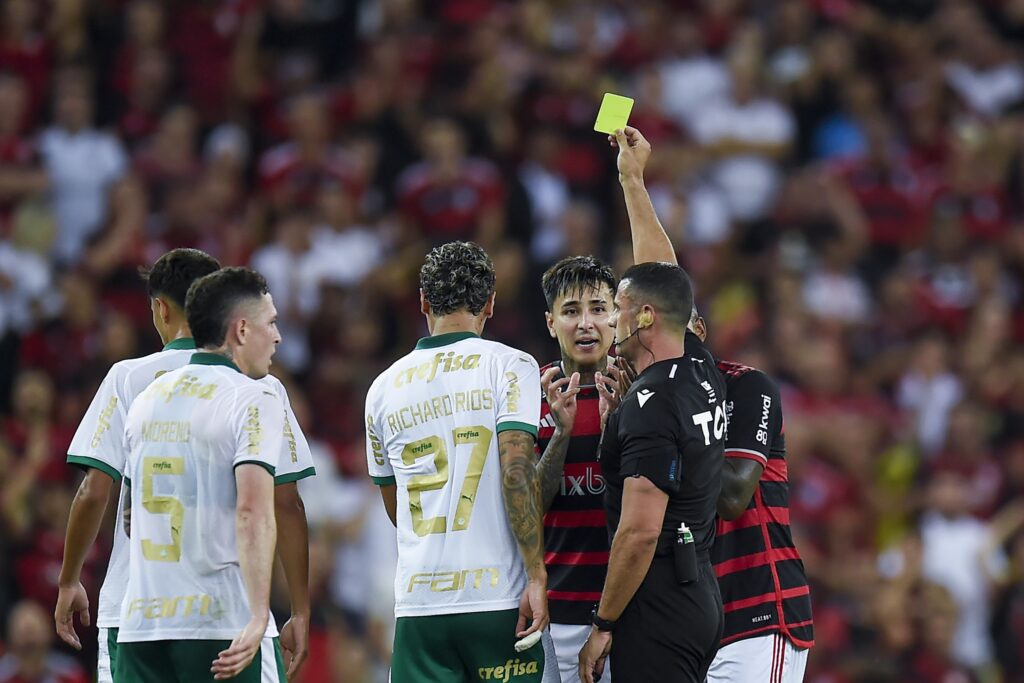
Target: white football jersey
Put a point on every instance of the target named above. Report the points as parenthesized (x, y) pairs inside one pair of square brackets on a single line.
[(99, 444), (432, 424), (186, 434)]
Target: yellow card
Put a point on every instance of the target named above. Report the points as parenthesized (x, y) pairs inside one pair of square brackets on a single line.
[(614, 113)]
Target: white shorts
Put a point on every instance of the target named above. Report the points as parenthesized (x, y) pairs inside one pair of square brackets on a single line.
[(268, 660), (551, 663), (269, 672), (104, 674), (569, 640), (770, 658)]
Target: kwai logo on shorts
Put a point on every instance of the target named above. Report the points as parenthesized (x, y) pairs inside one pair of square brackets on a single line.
[(512, 668)]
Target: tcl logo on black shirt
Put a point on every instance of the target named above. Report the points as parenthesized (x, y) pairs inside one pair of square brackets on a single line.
[(670, 428)]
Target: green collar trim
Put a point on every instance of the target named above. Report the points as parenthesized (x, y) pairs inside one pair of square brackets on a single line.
[(444, 339), (206, 358), (184, 343)]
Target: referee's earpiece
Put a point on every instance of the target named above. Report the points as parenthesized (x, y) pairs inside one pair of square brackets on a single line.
[(644, 319)]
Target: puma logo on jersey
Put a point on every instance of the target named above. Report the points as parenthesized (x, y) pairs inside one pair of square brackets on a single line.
[(643, 396), (426, 372)]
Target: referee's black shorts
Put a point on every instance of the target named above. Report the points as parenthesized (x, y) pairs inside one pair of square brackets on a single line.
[(669, 632)]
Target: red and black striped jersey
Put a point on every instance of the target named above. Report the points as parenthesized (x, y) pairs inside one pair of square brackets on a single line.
[(760, 572), (575, 528)]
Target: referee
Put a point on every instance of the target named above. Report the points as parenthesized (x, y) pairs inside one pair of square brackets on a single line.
[(661, 456)]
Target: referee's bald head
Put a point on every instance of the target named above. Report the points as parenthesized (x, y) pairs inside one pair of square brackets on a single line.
[(664, 286)]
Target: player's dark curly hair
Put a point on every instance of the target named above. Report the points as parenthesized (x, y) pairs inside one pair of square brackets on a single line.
[(573, 274), (212, 300), (174, 272), (457, 276)]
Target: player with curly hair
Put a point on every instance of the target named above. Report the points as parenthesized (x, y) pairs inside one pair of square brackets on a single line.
[(450, 431)]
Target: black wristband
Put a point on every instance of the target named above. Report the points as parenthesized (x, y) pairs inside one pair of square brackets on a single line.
[(605, 625)]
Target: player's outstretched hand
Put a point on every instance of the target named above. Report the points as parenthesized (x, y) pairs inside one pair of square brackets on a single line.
[(561, 396), (533, 609), (240, 653), (70, 600), (634, 151), (295, 643)]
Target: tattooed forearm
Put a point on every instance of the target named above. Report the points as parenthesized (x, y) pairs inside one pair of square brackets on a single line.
[(550, 468), (520, 484)]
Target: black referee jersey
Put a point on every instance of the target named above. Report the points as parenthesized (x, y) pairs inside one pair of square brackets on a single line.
[(670, 428)]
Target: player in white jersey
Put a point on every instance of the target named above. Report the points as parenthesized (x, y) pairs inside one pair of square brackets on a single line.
[(450, 434), (203, 446), (98, 448)]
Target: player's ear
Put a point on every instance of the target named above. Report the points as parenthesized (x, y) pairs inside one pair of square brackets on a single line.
[(239, 329), (645, 318), (489, 306), (700, 328), (424, 304), (550, 320), (160, 309)]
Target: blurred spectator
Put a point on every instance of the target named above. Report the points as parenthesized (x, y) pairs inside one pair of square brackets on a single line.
[(30, 658), (691, 78), (83, 164), (21, 177), (984, 73), (287, 264), (24, 49), (171, 155), (957, 555), (548, 193), (25, 289), (450, 195), (746, 135), (293, 172), (343, 252), (928, 390)]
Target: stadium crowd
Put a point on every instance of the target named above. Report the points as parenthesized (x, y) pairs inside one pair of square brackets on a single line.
[(844, 180)]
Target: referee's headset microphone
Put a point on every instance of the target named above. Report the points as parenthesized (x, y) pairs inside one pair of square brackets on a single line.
[(643, 319)]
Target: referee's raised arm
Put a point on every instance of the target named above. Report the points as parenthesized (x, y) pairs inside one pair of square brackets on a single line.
[(650, 241)]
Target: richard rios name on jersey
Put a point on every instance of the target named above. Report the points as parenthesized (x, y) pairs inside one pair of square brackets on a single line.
[(432, 425)]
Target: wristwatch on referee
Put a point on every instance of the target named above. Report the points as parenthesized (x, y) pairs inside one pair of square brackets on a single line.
[(606, 625)]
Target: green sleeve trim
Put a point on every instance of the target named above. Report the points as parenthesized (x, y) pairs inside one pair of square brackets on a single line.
[(86, 462), (294, 476), (519, 427), (384, 481), (268, 468)]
